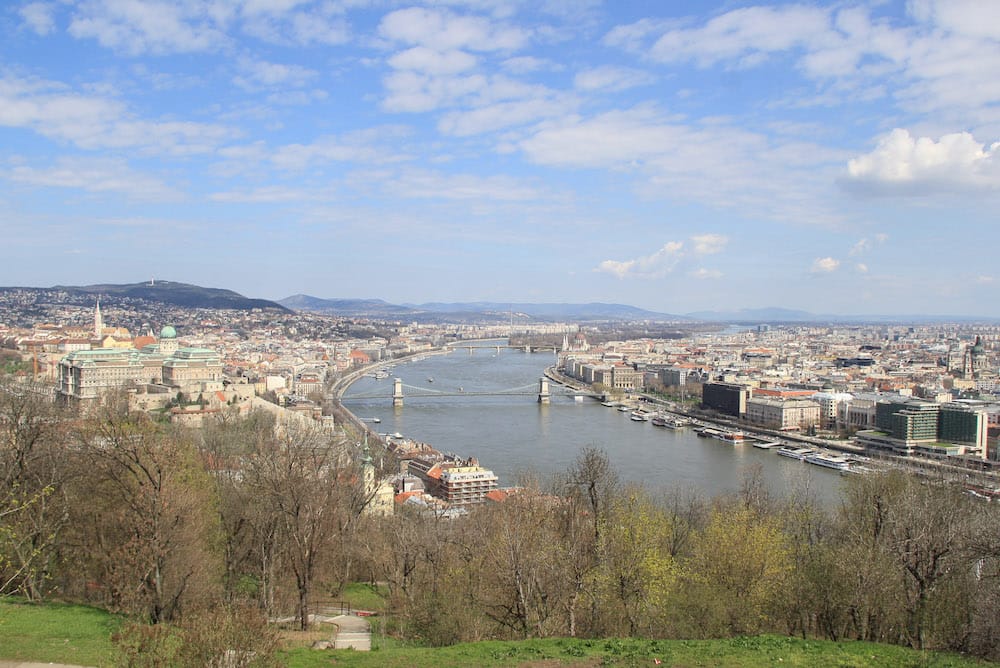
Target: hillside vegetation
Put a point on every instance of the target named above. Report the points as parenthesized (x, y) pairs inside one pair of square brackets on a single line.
[(60, 633), (200, 536)]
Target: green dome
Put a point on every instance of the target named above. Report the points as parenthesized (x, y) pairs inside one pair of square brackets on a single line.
[(168, 332)]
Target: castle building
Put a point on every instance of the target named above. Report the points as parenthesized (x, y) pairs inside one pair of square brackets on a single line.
[(159, 367)]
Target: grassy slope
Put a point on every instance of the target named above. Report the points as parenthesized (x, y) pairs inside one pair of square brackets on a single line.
[(81, 635), (736, 653), (56, 632)]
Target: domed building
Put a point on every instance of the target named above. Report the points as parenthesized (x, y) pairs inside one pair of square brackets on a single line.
[(158, 368)]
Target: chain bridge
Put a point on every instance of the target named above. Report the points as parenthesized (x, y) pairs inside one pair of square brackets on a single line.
[(542, 390)]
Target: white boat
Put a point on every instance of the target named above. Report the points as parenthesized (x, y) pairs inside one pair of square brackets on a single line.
[(609, 404), (795, 453), (828, 460), (639, 416), (731, 437), (623, 408), (671, 421)]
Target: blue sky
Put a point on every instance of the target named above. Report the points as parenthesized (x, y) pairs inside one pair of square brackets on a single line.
[(837, 157)]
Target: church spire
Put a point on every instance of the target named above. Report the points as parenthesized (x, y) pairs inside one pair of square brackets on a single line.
[(98, 320)]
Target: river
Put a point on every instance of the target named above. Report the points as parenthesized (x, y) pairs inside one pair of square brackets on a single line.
[(511, 434)]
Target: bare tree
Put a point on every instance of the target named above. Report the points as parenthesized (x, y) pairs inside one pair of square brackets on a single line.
[(308, 483), (149, 527), (33, 502)]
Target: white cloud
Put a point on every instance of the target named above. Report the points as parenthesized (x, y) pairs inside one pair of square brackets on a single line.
[(421, 184), (274, 194), (824, 265), (432, 61), (712, 162), (703, 274), (965, 17), (414, 92), (502, 115), (257, 74), (985, 280), (902, 163), (445, 31), (861, 267), (611, 78), (365, 146), (97, 175), (529, 64), (93, 122), (280, 24), (148, 26), (747, 34), (657, 265), (39, 17), (865, 244), (708, 244)]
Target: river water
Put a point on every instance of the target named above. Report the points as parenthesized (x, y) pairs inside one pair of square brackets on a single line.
[(511, 434)]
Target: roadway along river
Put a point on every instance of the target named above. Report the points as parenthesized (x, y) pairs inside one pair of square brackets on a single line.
[(510, 434)]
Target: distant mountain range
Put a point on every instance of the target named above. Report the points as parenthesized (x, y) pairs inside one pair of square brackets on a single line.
[(194, 296), (164, 292), (781, 315), (474, 311), (590, 312)]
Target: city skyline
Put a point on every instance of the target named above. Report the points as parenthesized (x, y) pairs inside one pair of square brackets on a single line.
[(830, 157)]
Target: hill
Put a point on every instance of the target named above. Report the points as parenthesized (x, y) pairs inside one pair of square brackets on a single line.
[(162, 292), (475, 311), (783, 315)]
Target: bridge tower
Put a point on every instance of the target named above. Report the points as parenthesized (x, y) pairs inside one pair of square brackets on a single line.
[(397, 392), (543, 390)]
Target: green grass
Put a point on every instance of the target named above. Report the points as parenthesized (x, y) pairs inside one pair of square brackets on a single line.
[(362, 596), (56, 632), (81, 635), (729, 653)]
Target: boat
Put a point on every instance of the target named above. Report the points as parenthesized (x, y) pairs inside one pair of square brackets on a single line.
[(706, 433), (671, 421), (430, 379), (830, 461), (731, 437), (609, 404), (638, 416), (795, 453), (623, 408)]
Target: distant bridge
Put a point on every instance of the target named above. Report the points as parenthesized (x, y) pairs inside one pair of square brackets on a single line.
[(527, 348), (542, 390)]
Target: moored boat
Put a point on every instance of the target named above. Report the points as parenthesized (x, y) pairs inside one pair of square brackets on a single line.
[(828, 460), (731, 437), (795, 453)]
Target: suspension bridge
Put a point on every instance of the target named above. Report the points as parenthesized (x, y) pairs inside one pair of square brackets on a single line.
[(542, 390)]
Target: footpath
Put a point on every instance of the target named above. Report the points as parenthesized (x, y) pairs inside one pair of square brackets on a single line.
[(351, 631)]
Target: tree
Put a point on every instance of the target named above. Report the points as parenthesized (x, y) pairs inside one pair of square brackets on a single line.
[(310, 487), (149, 529), (635, 573), (33, 502), (520, 584), (736, 575), (591, 479)]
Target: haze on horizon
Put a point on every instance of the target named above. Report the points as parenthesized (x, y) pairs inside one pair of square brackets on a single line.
[(834, 157)]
